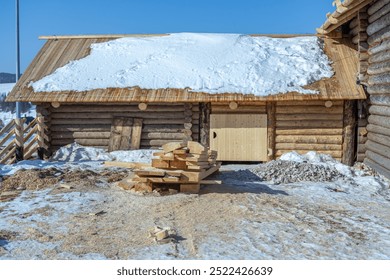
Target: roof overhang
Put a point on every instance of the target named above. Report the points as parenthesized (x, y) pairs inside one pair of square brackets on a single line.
[(60, 50)]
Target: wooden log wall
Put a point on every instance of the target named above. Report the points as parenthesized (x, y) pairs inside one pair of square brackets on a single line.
[(306, 126), (90, 124), (378, 128), (362, 130)]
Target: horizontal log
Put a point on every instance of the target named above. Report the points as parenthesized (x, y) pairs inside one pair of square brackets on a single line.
[(157, 143), (162, 135), (380, 110), (310, 139), (80, 121), (286, 117), (379, 138), (309, 103), (304, 146), (363, 47), (81, 127), (309, 124), (379, 4), (309, 110), (165, 121), (382, 100), (354, 23), (118, 108), (379, 68), (80, 134), (379, 120), (383, 46), (378, 158), (217, 108), (170, 128), (377, 167), (377, 90), (362, 148), (84, 142), (378, 129), (378, 148), (334, 154), (381, 79), (309, 131), (376, 38), (379, 57), (379, 24), (385, 10), (147, 115)]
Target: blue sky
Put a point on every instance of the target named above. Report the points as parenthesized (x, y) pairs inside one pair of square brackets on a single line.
[(63, 17)]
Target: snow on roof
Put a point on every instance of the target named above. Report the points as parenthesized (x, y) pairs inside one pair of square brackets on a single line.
[(211, 63)]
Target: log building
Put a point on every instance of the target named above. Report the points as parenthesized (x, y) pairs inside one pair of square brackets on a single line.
[(367, 23), (241, 127)]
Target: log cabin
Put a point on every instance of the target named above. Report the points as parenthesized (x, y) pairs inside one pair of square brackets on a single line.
[(240, 126), (367, 23)]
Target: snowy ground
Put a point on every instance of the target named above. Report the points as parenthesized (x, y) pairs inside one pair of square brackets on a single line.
[(340, 213)]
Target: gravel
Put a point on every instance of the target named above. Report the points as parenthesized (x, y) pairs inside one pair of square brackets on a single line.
[(284, 172)]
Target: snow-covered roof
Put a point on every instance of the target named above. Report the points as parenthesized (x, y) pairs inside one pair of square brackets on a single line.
[(211, 63), (188, 67)]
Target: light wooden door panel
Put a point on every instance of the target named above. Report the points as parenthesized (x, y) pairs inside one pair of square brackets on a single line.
[(239, 137)]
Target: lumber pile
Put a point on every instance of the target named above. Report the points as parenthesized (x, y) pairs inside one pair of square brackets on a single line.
[(178, 167)]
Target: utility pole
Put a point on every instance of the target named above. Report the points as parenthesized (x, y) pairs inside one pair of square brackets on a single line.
[(17, 74)]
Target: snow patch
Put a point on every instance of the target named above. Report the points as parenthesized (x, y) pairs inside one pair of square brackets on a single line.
[(76, 153), (211, 63)]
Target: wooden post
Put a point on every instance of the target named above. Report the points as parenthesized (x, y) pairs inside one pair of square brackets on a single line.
[(204, 124), (271, 129), (19, 138), (349, 135), (41, 127), (188, 122)]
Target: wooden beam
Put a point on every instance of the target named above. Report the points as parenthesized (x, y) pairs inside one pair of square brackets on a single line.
[(349, 135)]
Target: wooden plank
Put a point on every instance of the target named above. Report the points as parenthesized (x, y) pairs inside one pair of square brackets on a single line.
[(308, 117), (349, 135), (136, 134), (131, 165), (150, 172), (239, 137), (169, 147), (195, 147), (120, 134)]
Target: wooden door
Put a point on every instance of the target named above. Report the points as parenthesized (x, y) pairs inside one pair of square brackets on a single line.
[(239, 137), (125, 134)]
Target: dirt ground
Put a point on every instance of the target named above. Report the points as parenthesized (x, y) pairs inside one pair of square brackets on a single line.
[(84, 215)]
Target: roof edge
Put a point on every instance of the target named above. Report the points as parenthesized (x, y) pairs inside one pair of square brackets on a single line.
[(116, 36)]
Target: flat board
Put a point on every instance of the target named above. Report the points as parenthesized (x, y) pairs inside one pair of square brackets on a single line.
[(239, 137), (120, 134)]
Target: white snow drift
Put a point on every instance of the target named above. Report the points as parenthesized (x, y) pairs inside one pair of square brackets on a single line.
[(211, 63)]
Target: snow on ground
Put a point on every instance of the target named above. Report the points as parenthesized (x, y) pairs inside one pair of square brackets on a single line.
[(212, 63), (345, 216)]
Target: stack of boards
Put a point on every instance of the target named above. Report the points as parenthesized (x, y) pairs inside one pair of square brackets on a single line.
[(178, 166)]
